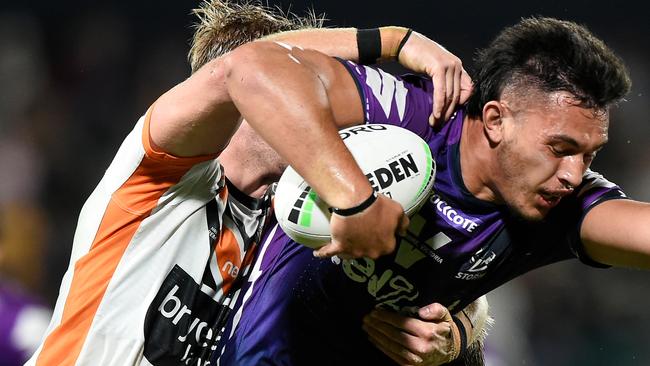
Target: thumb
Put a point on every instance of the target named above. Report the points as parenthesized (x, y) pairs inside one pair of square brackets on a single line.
[(404, 225), (327, 250), (433, 312)]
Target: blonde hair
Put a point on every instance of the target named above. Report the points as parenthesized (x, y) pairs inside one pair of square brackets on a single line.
[(223, 25)]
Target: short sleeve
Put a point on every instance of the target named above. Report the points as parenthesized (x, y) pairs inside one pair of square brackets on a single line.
[(405, 101), (594, 190)]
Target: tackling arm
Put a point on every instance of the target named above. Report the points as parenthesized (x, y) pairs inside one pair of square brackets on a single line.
[(418, 53), (342, 42), (617, 232), (292, 98)]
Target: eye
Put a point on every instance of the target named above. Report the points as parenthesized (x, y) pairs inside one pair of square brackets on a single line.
[(588, 158), (557, 151)]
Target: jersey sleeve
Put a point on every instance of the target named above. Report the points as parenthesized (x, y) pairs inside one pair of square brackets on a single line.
[(406, 101), (594, 190)]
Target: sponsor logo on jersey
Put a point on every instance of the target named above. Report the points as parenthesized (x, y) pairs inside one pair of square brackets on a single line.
[(388, 287), (454, 216), (178, 328), (477, 266)]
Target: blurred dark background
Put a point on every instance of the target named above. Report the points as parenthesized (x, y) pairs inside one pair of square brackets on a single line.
[(75, 77)]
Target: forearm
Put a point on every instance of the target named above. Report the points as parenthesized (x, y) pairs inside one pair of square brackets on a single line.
[(285, 101), (617, 232), (341, 42)]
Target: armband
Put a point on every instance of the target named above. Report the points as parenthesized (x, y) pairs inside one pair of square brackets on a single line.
[(356, 209), (463, 334), (369, 45), (403, 42)]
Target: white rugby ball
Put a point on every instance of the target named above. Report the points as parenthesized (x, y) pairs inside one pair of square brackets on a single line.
[(397, 162)]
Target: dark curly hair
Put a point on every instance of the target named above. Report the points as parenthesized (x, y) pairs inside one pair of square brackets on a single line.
[(549, 55)]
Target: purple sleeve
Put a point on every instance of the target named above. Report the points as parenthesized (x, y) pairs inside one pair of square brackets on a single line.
[(405, 101), (594, 190)]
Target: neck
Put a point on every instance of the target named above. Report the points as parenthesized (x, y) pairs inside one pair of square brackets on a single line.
[(477, 161), (245, 174)]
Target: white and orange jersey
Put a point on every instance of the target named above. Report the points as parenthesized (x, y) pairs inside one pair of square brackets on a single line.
[(157, 248)]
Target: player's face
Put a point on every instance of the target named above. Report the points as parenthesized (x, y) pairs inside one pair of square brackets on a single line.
[(546, 149)]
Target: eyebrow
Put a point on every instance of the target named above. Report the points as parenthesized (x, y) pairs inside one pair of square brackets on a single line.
[(571, 141), (564, 138)]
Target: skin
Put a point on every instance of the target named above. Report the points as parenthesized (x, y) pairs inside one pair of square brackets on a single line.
[(528, 153), (551, 138), (536, 152), (425, 340), (419, 54), (215, 102), (292, 111)]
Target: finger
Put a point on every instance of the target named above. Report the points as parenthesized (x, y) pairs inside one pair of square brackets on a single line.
[(456, 93), (328, 250), (393, 342), (434, 311), (406, 324), (404, 225), (439, 95), (392, 355), (466, 87), (449, 94)]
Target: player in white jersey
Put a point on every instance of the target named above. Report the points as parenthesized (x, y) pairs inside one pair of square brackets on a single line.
[(161, 241)]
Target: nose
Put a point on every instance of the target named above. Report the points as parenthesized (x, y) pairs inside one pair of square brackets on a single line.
[(571, 171)]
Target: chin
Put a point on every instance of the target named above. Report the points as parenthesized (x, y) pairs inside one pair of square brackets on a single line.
[(531, 214)]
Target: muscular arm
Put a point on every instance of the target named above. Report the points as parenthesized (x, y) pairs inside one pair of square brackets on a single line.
[(617, 232), (292, 98), (341, 42), (419, 54)]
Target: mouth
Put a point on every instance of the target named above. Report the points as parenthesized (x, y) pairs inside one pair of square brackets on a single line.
[(550, 199)]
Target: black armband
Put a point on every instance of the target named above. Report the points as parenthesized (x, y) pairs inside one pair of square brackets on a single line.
[(403, 42), (463, 334), (356, 209), (369, 45)]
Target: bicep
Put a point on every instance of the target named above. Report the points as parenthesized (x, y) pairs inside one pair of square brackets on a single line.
[(197, 116), (617, 232)]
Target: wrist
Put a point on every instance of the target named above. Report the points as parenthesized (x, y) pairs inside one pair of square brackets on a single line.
[(460, 337), (357, 208)]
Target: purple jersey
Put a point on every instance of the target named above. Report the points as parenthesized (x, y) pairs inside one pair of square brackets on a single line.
[(301, 310)]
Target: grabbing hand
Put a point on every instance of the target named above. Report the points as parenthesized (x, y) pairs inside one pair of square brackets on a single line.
[(432, 339), (452, 84), (369, 233)]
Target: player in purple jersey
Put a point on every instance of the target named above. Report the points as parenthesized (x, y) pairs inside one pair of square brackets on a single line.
[(264, 81), (513, 192)]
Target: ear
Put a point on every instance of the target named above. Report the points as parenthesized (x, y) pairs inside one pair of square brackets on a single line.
[(493, 114)]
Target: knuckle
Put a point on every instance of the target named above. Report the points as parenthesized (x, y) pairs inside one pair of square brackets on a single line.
[(423, 349)]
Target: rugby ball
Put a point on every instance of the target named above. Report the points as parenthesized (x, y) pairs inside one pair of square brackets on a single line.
[(397, 162)]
